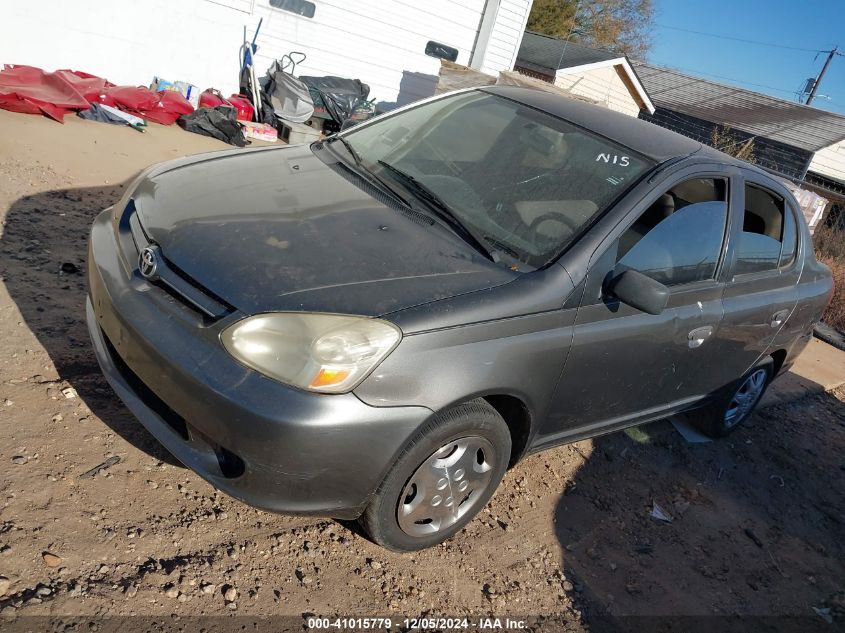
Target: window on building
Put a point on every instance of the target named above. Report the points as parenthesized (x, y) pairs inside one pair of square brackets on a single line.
[(299, 7), (764, 234), (678, 239)]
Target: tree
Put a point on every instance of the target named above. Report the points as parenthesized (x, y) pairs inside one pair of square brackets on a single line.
[(623, 26)]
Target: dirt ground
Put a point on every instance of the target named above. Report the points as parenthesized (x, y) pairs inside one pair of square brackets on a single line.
[(758, 518)]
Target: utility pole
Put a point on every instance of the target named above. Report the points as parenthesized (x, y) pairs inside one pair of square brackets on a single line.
[(821, 75)]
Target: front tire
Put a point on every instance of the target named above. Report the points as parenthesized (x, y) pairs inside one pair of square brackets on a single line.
[(734, 404), (443, 478)]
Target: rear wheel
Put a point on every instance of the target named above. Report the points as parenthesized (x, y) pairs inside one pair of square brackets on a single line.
[(442, 479), (735, 403)]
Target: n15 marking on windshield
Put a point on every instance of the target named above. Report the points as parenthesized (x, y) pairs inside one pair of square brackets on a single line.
[(616, 159)]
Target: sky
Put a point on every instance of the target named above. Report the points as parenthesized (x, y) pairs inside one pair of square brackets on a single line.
[(777, 71)]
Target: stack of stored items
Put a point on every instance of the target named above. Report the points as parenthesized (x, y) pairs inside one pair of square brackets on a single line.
[(298, 109)]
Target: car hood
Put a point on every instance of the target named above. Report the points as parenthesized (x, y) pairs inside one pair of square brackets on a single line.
[(279, 229)]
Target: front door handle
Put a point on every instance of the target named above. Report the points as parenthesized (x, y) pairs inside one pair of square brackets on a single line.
[(699, 335), (779, 317)]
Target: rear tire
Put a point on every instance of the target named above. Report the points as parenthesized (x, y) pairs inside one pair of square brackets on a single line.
[(442, 479), (735, 403)]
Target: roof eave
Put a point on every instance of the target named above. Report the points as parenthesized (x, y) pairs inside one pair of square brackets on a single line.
[(537, 68), (627, 68)]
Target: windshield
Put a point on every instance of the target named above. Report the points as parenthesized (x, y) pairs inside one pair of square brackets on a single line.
[(523, 182)]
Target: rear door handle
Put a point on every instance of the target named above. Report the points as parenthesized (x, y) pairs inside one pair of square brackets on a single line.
[(699, 335), (779, 317)]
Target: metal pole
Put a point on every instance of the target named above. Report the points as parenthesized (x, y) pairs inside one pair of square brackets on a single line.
[(821, 75)]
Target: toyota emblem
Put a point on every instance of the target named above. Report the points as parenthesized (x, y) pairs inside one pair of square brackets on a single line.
[(148, 263)]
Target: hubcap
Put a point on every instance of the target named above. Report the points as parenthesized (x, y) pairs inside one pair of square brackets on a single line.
[(745, 398), (446, 486)]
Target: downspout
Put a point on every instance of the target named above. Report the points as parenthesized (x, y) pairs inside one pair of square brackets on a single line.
[(485, 29)]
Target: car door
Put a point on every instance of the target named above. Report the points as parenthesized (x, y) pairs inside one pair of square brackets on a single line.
[(624, 364), (760, 294)]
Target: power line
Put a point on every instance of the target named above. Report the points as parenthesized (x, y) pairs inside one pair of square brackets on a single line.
[(740, 39)]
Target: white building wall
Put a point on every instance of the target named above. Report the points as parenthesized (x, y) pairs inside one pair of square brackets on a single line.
[(830, 161), (600, 84), (380, 42), (505, 36), (127, 41)]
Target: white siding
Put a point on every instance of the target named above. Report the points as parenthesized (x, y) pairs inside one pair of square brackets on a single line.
[(603, 85), (830, 161), (505, 35), (127, 41), (380, 42), (238, 5)]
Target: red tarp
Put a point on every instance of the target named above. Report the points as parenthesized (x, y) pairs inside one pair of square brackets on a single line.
[(32, 91), (160, 107)]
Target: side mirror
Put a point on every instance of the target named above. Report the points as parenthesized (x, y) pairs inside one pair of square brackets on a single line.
[(638, 291)]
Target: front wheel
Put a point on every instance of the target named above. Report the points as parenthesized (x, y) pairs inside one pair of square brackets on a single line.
[(734, 404), (442, 479)]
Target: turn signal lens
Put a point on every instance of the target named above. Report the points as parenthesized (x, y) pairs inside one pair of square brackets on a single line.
[(327, 377)]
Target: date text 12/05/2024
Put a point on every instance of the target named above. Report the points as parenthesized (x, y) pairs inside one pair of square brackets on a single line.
[(416, 624)]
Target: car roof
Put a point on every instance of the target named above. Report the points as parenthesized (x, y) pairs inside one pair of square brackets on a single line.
[(643, 137)]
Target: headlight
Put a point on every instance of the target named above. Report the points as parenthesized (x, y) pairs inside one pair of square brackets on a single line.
[(328, 353)]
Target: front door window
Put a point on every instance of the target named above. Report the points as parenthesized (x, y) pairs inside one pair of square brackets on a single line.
[(678, 239)]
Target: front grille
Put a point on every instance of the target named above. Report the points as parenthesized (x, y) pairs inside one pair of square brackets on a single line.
[(171, 278)]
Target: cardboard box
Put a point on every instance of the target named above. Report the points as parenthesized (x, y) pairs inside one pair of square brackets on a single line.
[(189, 91)]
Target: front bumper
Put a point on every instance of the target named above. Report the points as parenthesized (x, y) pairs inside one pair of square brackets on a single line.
[(274, 447)]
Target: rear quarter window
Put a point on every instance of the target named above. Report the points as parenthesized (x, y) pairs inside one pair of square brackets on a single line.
[(766, 232)]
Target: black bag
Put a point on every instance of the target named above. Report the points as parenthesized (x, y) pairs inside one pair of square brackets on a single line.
[(339, 95), (220, 122)]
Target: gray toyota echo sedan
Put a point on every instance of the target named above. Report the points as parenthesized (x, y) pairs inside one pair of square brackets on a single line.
[(377, 325)]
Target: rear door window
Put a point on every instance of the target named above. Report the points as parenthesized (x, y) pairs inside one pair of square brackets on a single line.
[(767, 233)]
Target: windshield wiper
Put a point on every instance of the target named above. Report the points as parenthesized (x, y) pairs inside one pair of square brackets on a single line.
[(440, 208), (352, 151), (499, 244), (359, 163)]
